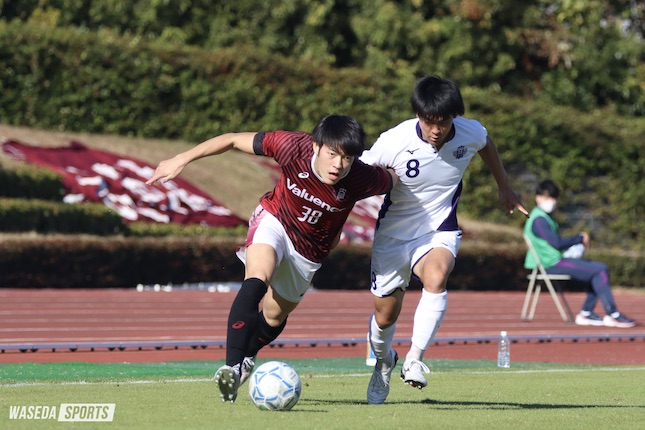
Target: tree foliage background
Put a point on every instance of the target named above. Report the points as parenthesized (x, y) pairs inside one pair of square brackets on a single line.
[(582, 53), (559, 84)]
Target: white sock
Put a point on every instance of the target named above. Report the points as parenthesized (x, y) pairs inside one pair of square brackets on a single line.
[(381, 339), (415, 353), (427, 319)]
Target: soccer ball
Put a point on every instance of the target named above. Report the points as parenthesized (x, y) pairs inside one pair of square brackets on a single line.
[(275, 386)]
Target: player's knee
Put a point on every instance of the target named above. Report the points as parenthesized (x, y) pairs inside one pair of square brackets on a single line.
[(252, 289), (434, 279), (276, 318), (435, 282), (384, 319)]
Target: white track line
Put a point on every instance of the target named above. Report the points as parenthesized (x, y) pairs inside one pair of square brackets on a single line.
[(323, 375)]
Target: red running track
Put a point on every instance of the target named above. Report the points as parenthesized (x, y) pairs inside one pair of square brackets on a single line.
[(326, 324)]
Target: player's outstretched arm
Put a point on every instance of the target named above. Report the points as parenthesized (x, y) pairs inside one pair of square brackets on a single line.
[(171, 168), (508, 197)]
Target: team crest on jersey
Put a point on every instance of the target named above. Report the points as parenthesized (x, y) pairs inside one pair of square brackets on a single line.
[(303, 175), (341, 194), (459, 152)]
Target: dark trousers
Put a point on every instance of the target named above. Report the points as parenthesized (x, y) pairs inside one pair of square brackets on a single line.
[(594, 273)]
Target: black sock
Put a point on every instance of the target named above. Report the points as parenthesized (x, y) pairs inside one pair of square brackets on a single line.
[(243, 319), (264, 335)]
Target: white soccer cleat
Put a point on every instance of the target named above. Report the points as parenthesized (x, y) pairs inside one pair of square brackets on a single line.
[(228, 381), (379, 386), (412, 373), (246, 369)]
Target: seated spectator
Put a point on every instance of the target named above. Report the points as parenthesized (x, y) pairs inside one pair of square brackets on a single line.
[(543, 231)]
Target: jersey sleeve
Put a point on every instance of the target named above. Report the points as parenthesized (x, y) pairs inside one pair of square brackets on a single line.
[(378, 155), (257, 144), (376, 180), (283, 146), (483, 134)]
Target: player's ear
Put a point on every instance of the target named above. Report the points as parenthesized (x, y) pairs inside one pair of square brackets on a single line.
[(316, 147)]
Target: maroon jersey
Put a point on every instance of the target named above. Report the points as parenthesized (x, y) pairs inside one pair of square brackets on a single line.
[(312, 212)]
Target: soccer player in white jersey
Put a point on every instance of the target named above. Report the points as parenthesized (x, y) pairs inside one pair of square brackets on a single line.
[(417, 233), (291, 231)]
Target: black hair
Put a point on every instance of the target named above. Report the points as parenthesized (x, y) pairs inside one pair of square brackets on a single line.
[(547, 188), (435, 98), (342, 133)]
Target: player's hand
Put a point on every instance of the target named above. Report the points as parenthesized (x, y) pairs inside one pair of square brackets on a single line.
[(167, 170), (510, 202)]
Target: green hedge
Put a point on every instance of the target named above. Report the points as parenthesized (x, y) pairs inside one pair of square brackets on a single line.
[(145, 229), (59, 261), (30, 182), (43, 216), (70, 79), (478, 268)]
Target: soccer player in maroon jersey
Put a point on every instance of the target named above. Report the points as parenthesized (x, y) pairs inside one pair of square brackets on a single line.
[(292, 230)]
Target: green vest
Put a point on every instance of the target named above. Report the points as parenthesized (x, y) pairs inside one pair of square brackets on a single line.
[(547, 254)]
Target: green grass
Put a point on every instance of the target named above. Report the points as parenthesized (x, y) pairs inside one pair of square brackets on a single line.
[(461, 395)]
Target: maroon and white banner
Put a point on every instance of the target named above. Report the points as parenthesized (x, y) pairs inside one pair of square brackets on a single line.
[(119, 182), (366, 211)]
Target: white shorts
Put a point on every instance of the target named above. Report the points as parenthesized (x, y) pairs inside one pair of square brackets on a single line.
[(293, 273), (393, 260)]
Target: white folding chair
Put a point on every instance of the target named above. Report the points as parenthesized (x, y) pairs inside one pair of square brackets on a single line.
[(536, 278)]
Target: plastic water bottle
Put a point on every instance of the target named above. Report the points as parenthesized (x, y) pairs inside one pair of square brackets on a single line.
[(504, 351)]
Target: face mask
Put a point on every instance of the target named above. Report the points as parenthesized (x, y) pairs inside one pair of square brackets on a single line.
[(548, 206)]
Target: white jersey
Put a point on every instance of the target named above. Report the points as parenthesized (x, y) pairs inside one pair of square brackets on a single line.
[(426, 195)]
